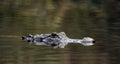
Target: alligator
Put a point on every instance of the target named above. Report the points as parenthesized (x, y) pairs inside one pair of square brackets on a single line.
[(56, 40)]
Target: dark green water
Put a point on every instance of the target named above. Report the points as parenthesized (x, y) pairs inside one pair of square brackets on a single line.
[(15, 51), (18, 18)]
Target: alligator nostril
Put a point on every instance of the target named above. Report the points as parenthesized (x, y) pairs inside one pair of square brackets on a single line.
[(23, 38), (93, 41)]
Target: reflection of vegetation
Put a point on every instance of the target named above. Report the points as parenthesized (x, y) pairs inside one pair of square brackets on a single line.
[(49, 12), (95, 18)]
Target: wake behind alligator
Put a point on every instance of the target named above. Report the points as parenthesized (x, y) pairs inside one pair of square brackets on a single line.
[(56, 40)]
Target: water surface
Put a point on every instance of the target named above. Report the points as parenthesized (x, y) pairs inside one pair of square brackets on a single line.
[(18, 18)]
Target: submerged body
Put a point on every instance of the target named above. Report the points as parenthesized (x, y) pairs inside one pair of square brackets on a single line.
[(56, 40)]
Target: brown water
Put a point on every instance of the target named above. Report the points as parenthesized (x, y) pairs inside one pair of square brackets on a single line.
[(17, 20)]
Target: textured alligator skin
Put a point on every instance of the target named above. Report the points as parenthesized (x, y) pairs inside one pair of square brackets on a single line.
[(56, 40)]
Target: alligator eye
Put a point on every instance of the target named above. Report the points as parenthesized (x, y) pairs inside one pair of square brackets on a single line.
[(93, 41), (54, 35)]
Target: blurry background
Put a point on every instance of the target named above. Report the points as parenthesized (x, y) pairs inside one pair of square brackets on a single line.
[(98, 19)]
